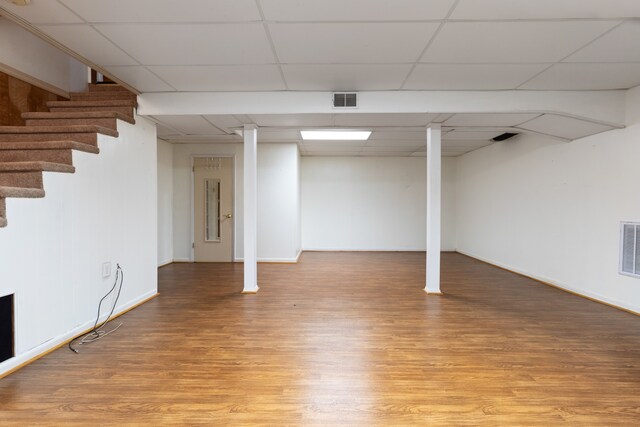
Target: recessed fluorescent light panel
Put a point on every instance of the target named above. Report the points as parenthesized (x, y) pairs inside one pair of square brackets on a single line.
[(335, 135)]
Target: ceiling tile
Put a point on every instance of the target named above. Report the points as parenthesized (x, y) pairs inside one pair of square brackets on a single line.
[(471, 135), (332, 147), (395, 149), (464, 144), (140, 78), (192, 44), (386, 153), (224, 121), (355, 10), (330, 153), (564, 127), (293, 120), (164, 10), (90, 44), (279, 135), (496, 120), (619, 45), (350, 43), (410, 143), (164, 131), (582, 76), (206, 139), (512, 42), (43, 12), (190, 125), (345, 77), (221, 77), (383, 119), (398, 134), (545, 9), (471, 76)]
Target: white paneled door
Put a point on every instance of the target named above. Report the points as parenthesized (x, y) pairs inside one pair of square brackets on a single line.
[(213, 209)]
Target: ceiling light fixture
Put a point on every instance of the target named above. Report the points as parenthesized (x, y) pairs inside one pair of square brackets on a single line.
[(335, 135)]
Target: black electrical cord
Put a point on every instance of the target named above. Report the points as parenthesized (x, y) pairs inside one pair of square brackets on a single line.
[(96, 330)]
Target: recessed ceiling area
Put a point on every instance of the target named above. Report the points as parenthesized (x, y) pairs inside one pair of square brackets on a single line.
[(398, 135), (360, 45)]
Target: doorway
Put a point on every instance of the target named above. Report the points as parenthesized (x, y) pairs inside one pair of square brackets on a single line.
[(213, 209)]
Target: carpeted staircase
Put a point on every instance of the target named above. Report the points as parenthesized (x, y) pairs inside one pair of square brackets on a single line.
[(46, 142)]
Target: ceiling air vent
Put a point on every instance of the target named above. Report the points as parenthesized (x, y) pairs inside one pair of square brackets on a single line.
[(504, 136), (345, 100)]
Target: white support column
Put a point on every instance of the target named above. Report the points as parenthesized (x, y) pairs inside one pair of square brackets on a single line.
[(434, 181), (250, 209)]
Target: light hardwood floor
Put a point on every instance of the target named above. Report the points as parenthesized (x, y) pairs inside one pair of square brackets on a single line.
[(345, 339)]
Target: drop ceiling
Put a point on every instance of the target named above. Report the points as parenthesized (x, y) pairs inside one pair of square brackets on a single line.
[(353, 45), (272, 45), (392, 134)]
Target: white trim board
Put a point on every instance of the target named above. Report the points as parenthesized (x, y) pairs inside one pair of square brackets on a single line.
[(589, 295), (25, 357)]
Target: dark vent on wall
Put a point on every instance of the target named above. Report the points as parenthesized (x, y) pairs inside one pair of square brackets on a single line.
[(6, 328), (504, 136), (345, 100)]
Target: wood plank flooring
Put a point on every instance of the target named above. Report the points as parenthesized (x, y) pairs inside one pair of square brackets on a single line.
[(344, 339)]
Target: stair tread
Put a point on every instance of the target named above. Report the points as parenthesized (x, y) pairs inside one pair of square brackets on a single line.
[(75, 115), (35, 166), (107, 96), (106, 87), (57, 129), (88, 116), (49, 145), (27, 193), (93, 103)]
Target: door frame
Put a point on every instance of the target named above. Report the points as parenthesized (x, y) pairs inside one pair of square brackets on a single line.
[(192, 196)]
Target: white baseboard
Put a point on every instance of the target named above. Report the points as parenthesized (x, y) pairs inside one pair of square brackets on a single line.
[(162, 264), (581, 292), (22, 358), (181, 260)]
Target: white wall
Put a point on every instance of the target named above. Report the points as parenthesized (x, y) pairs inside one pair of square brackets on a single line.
[(165, 202), (34, 58), (52, 251), (278, 220), (278, 202), (552, 210), (371, 203)]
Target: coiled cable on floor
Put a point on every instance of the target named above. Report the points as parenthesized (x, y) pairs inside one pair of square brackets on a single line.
[(97, 332)]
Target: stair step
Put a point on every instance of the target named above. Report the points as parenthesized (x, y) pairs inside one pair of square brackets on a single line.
[(61, 156), (35, 167), (70, 115), (56, 129), (106, 96), (104, 122), (126, 111), (43, 151), (48, 145), (106, 88), (18, 192), (28, 175), (100, 103), (84, 134)]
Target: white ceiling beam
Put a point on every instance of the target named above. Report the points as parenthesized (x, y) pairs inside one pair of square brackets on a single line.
[(606, 107)]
